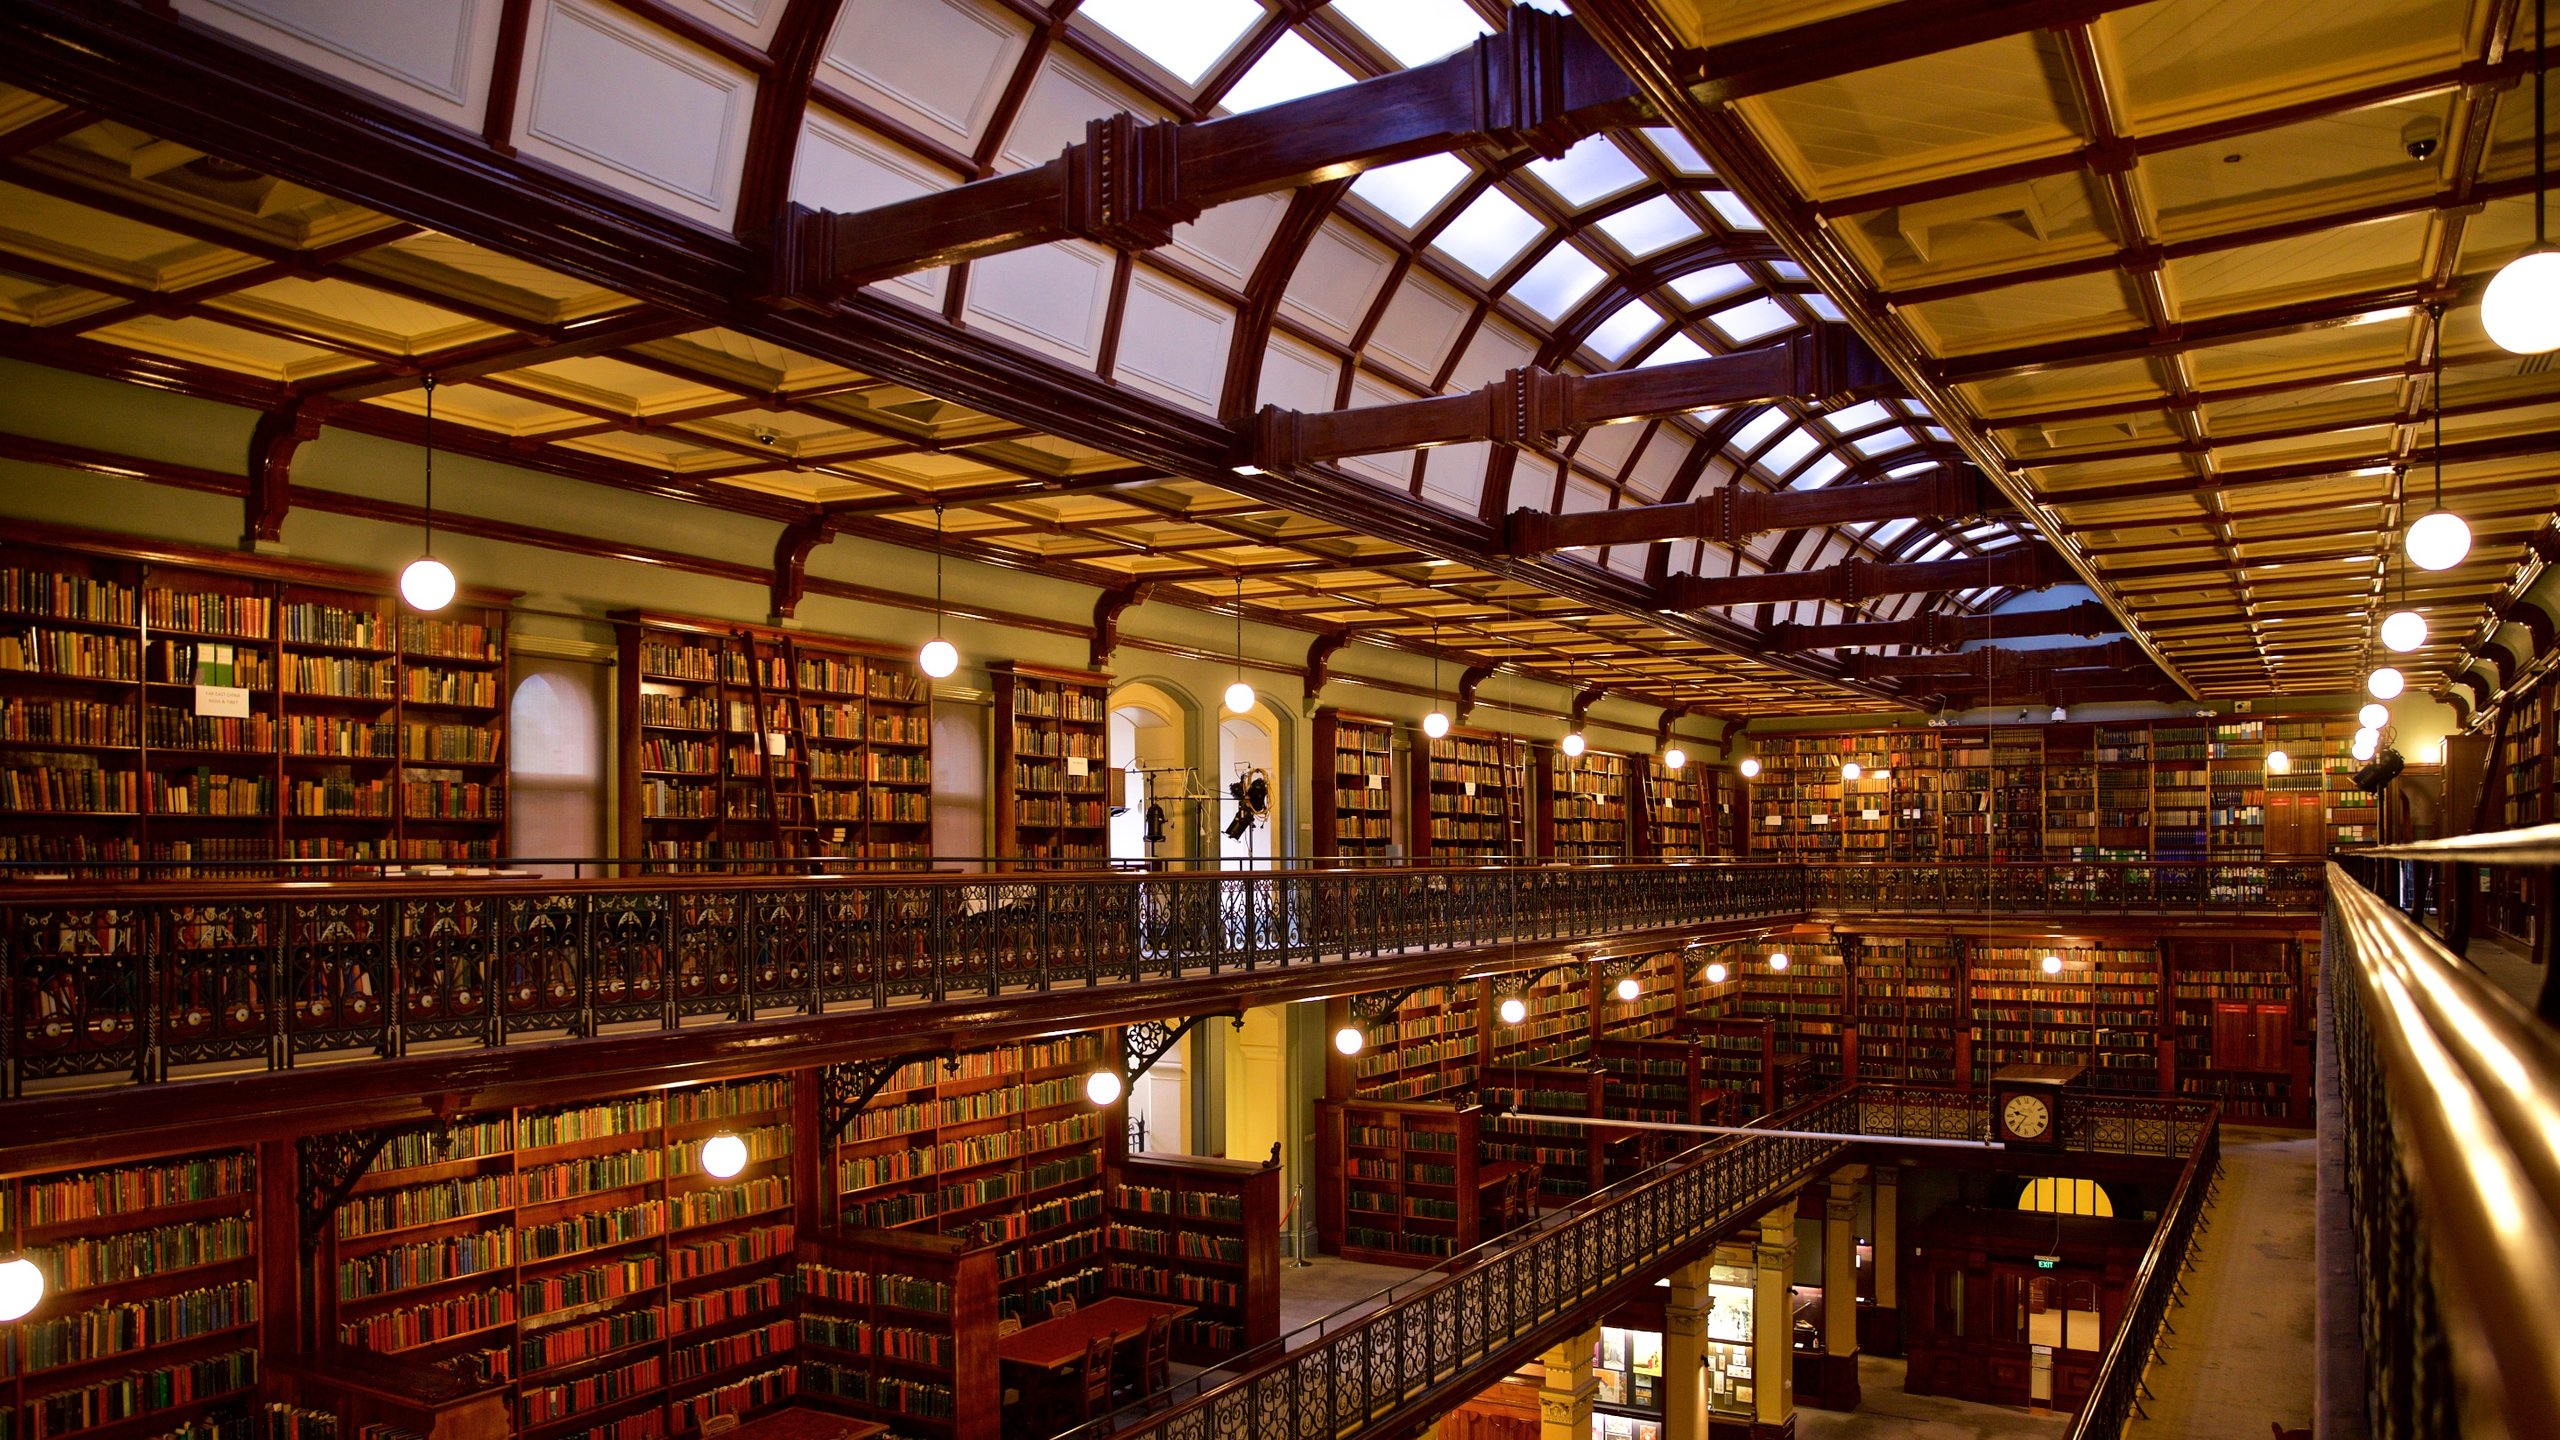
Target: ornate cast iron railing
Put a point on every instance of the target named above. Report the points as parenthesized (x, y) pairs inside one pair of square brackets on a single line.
[(2116, 1390), (153, 982), (1440, 1333), (2079, 888), (2449, 1117)]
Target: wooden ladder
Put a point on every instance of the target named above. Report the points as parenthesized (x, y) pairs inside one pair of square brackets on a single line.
[(1515, 797), (767, 762)]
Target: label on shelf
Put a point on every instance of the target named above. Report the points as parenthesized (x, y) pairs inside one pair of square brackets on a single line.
[(231, 700), (1079, 765), (1377, 782), (1870, 814), (1471, 787), (1819, 820), (774, 742)]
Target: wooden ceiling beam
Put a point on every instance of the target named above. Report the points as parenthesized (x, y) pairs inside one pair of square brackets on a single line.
[(1539, 84), (1937, 630), (2122, 655), (1732, 513), (2026, 567), (1533, 407), (1865, 40)]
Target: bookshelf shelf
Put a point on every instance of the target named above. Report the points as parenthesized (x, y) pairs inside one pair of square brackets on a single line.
[(1355, 785), (1396, 1182), (1051, 762), (1471, 797), (1586, 799)]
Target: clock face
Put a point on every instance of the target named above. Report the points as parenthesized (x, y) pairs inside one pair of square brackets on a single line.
[(2027, 1116)]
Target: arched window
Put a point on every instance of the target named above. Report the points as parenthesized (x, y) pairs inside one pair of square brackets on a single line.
[(555, 761)]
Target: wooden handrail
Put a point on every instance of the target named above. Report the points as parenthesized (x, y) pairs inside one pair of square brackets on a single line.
[(2471, 1082)]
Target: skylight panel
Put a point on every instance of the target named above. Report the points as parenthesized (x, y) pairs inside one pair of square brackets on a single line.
[(1886, 532), (1289, 70), (1823, 470), (1555, 283), (1416, 32), (1619, 333), (1789, 271), (1858, 416), (1882, 442), (1678, 348), (1676, 148), (1762, 426), (1489, 234), (1937, 434), (1753, 320), (1648, 227), (1595, 169), (1824, 306), (1974, 596), (1186, 37), (1413, 189), (1552, 7), (1982, 532), (1914, 468), (1936, 550), (1735, 213), (1791, 450), (1714, 283)]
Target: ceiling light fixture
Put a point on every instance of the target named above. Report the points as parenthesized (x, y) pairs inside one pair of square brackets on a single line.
[(2521, 310), (1514, 1010), (939, 657), (1239, 695), (2052, 964), (1750, 767), (21, 1288), (1778, 960), (1629, 987), (2365, 743), (1435, 724), (723, 1156), (1716, 972), (2279, 763), (2384, 683), (1103, 1088), (2404, 631), (1674, 758), (1349, 1040), (428, 582), (1573, 744), (2374, 715), (2439, 539)]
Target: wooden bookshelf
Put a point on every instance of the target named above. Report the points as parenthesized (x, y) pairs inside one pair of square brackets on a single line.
[(1657, 1080), (579, 1256), (1679, 819), (994, 1148), (2101, 1010), (1738, 1059), (151, 1293), (1355, 785), (2070, 794), (2181, 790), (1583, 804), (2120, 757), (1913, 757), (1396, 1182), (1558, 1028), (1470, 797), (2236, 1007), (1205, 1232), (1429, 1049), (241, 709), (1570, 1161), (2237, 774), (1909, 1009), (1051, 755), (746, 743), (1804, 1003), (900, 1327)]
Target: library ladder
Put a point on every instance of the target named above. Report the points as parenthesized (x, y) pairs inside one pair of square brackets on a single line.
[(1515, 796)]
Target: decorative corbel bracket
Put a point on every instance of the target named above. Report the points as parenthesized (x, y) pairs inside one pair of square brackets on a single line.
[(845, 1091), (1145, 1042), (331, 1166), (2535, 620), (1582, 706), (1320, 653), (791, 551), (1108, 607), (279, 434), (1468, 684)]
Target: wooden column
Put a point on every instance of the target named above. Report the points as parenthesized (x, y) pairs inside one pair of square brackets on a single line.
[(1684, 1354), (1773, 1359), (1564, 1400)]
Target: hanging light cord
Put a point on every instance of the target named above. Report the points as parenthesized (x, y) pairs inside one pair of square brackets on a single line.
[(2539, 188), (2437, 404), (431, 466), (1239, 625), (937, 570)]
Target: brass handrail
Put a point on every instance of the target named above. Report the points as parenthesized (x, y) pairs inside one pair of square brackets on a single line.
[(2452, 1126)]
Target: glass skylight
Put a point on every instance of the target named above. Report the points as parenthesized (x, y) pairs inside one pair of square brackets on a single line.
[(1753, 320), (1676, 148), (1858, 417), (1490, 233), (1714, 283), (1289, 70), (1882, 442), (1592, 170), (1735, 213), (1936, 550), (1678, 348), (1886, 532), (1619, 333), (1186, 37), (1823, 306), (1983, 532), (1762, 426), (1553, 284), (1792, 449), (1416, 32), (1823, 470), (1552, 7), (1647, 227), (1411, 190)]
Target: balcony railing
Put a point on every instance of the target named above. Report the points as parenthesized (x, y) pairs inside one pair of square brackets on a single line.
[(2163, 888), (2449, 1119), (150, 982), (1413, 1350)]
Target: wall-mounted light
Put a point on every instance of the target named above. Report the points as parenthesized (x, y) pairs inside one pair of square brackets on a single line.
[(1629, 987)]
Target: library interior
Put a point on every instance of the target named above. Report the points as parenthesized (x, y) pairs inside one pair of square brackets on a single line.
[(1278, 720)]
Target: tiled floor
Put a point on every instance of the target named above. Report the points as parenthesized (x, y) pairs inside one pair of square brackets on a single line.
[(1331, 1286), (1885, 1411)]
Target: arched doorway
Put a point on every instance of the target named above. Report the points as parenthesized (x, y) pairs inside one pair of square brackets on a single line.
[(1148, 741)]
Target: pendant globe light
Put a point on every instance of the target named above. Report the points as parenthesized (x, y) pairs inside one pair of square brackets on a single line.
[(2404, 629), (427, 584), (1240, 694), (939, 657), (2521, 310), (2385, 683), (2373, 716), (1435, 724), (1573, 744), (2439, 539)]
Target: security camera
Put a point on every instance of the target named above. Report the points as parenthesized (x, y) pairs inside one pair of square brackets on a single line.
[(2420, 136)]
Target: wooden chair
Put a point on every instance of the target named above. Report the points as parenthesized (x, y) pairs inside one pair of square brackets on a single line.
[(1009, 1325), (1155, 1355), (1063, 1305), (1097, 1375)]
